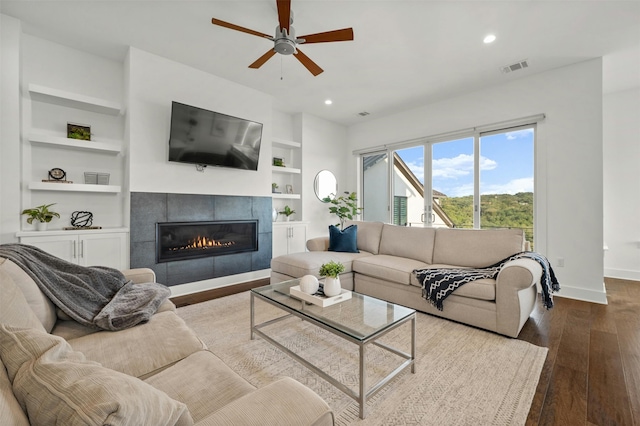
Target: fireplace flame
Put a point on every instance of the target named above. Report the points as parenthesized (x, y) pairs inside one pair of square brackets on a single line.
[(203, 243)]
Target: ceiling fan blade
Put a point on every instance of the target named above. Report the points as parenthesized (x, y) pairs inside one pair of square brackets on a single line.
[(345, 34), (308, 63), (284, 14), (262, 59), (215, 21)]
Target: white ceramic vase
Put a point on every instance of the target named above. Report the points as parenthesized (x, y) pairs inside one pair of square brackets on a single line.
[(309, 284), (274, 214), (332, 286), (41, 226)]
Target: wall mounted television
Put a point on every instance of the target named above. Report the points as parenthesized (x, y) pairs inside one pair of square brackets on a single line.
[(199, 136)]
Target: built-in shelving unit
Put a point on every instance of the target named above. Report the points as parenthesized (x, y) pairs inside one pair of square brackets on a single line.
[(47, 112), (289, 176)]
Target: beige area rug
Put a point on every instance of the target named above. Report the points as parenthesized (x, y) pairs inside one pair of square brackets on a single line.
[(464, 376)]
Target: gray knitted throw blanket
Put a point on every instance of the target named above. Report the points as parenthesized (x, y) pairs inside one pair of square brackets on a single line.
[(96, 296)]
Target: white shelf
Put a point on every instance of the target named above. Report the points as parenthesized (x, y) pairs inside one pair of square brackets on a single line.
[(283, 143), (74, 100), (44, 139), (72, 187), (279, 169), (286, 196)]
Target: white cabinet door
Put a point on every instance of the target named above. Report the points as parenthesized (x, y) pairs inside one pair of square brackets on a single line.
[(103, 250), (289, 237), (64, 247), (297, 238), (95, 249)]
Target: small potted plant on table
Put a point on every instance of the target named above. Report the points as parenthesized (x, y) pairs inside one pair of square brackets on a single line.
[(331, 270)]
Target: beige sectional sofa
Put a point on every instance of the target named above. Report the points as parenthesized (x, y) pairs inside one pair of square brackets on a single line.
[(388, 254), (56, 371)]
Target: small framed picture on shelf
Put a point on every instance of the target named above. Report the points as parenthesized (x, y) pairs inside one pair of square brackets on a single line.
[(288, 189), (278, 162), (78, 131)]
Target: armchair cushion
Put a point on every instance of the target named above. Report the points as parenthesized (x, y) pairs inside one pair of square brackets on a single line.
[(56, 385)]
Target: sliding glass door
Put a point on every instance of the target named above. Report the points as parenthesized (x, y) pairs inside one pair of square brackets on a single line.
[(483, 180)]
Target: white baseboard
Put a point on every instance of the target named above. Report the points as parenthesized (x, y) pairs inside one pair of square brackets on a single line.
[(593, 296), (197, 286), (623, 274)]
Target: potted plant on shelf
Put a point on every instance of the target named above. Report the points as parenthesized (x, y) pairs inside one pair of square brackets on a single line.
[(274, 188), (344, 206), (287, 212), (331, 270), (41, 214)]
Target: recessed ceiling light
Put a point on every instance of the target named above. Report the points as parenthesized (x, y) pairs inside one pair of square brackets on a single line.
[(489, 39), (328, 102)]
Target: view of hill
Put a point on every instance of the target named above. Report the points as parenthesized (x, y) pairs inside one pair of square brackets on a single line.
[(496, 211)]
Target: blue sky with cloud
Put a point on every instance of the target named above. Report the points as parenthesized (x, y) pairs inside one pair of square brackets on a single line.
[(506, 164)]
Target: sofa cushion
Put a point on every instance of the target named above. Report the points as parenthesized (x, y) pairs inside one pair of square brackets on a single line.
[(44, 309), (410, 242), (14, 309), (343, 240), (476, 248), (56, 385), (388, 268), (308, 263), (203, 382), (144, 349), (368, 235), (484, 289)]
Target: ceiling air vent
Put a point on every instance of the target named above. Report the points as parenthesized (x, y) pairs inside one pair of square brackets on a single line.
[(363, 114), (515, 67)]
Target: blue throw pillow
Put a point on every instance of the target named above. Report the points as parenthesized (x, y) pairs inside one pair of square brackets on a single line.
[(345, 240)]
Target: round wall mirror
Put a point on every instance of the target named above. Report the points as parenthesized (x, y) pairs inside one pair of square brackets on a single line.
[(325, 185)]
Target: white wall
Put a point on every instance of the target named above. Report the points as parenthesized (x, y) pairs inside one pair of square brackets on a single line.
[(323, 148), (153, 83), (10, 33), (621, 124), (568, 159)]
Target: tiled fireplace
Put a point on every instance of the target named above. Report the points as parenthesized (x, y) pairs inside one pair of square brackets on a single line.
[(186, 237)]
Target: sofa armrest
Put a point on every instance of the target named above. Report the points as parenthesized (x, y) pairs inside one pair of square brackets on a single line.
[(318, 244), (516, 294), (140, 275), (283, 402)]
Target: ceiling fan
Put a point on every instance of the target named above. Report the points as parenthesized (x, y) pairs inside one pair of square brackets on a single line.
[(285, 40)]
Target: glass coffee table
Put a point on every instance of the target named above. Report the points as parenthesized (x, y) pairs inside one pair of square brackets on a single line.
[(361, 320)]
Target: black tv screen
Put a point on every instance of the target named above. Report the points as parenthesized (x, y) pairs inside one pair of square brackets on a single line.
[(199, 136)]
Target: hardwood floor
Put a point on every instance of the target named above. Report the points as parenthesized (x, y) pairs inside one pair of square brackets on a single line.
[(592, 372)]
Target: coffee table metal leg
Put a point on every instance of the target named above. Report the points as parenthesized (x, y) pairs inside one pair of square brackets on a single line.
[(362, 398), (252, 303), (413, 343)]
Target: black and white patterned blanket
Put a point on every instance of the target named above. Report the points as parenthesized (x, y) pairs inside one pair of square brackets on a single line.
[(439, 283)]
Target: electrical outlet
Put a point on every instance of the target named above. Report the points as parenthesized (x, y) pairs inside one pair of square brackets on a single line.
[(560, 262)]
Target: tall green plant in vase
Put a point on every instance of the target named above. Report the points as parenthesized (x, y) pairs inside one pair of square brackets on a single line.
[(344, 206)]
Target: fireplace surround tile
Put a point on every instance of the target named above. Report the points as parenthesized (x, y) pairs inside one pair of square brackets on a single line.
[(149, 208)]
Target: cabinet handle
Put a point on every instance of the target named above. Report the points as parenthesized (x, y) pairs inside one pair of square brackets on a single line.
[(74, 250), (81, 248)]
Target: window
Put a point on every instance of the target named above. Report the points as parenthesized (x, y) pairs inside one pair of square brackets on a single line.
[(481, 180)]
